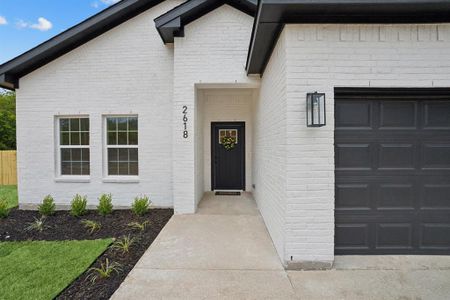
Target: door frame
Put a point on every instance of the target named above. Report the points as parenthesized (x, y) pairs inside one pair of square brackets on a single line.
[(241, 138)]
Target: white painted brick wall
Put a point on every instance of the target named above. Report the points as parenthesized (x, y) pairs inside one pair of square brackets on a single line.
[(126, 70), (319, 58), (213, 51), (270, 146)]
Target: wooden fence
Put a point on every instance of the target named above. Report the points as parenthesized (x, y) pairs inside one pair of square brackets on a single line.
[(8, 167)]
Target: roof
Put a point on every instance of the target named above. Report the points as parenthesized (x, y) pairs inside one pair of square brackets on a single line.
[(171, 24), (270, 18), (272, 15), (11, 71)]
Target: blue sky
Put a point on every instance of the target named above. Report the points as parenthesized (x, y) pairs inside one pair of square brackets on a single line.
[(25, 24)]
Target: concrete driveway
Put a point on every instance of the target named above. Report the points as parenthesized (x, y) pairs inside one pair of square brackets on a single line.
[(225, 252)]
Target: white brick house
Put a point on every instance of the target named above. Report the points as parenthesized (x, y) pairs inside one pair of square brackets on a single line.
[(135, 101)]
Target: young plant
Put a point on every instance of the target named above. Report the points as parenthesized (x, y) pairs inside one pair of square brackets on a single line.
[(138, 226), (124, 244), (105, 271), (47, 208), (91, 226), (37, 225), (140, 205), (105, 206), (78, 206), (4, 208)]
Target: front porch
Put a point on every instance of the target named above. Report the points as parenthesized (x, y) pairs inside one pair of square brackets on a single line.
[(222, 251)]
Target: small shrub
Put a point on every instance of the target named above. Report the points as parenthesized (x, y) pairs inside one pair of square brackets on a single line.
[(78, 206), (138, 226), (105, 271), (140, 205), (4, 208), (105, 206), (47, 208), (124, 244), (91, 226), (37, 225)]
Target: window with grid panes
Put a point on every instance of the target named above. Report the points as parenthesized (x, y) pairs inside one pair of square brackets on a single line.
[(122, 146), (74, 156)]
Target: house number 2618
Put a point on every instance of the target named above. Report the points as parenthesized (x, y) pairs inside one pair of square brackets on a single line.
[(185, 120)]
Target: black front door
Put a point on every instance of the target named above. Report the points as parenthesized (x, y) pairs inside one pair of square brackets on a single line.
[(228, 155)]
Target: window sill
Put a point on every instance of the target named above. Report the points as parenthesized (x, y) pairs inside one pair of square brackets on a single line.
[(74, 179), (121, 179)]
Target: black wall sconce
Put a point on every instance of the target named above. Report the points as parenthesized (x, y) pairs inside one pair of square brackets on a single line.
[(315, 109)]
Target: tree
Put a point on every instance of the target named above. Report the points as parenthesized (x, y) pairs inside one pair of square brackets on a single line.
[(7, 120)]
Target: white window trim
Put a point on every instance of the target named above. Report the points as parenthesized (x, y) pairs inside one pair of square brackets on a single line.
[(118, 178), (69, 178)]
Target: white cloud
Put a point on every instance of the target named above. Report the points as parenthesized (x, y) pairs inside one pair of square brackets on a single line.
[(21, 24), (3, 20), (43, 24), (94, 4)]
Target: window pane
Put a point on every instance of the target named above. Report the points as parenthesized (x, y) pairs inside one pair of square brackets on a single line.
[(65, 140), (74, 124), (74, 138), (132, 123), (65, 154), (85, 155), (76, 154), (112, 168), (64, 124), (76, 168), (112, 124), (134, 169), (133, 154), (132, 138), (112, 138), (65, 168), (85, 138), (122, 138), (112, 154), (123, 168), (84, 122), (123, 155), (122, 124), (85, 169)]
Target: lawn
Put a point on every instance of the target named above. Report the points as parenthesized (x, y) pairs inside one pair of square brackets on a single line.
[(9, 192), (42, 269)]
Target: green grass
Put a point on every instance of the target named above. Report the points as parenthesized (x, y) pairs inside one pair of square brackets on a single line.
[(9, 192), (42, 269)]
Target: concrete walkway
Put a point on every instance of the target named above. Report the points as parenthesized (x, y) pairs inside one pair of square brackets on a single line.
[(224, 252)]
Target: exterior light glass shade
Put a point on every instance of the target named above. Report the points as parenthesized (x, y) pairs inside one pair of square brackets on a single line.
[(315, 109)]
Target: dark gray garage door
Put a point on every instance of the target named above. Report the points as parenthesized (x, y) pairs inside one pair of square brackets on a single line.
[(392, 151)]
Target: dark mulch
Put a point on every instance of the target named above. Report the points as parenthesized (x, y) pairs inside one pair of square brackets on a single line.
[(62, 226)]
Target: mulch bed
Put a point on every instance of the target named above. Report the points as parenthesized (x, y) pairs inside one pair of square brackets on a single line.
[(62, 226)]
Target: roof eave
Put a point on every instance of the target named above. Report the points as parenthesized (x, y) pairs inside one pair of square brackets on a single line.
[(274, 14)]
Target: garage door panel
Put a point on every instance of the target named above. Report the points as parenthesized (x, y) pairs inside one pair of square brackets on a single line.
[(392, 173), (436, 156), (396, 197), (394, 236), (397, 156), (435, 196), (353, 197), (435, 236), (353, 156), (352, 236), (353, 114), (398, 115), (437, 115)]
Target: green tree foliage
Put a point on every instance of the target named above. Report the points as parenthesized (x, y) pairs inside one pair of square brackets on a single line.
[(7, 120)]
